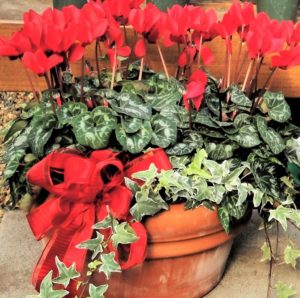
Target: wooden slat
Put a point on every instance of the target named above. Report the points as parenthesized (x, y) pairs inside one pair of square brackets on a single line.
[(13, 76)]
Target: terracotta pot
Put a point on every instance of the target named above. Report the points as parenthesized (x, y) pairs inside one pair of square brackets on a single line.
[(186, 257)]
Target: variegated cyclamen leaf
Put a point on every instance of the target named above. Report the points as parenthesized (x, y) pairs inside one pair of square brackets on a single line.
[(270, 136), (13, 163), (169, 92), (38, 139), (224, 217), (70, 110), (178, 114), (242, 119), (239, 98), (203, 117), (130, 124), (17, 126), (94, 129), (134, 143), (219, 151), (279, 110), (247, 137), (131, 105), (164, 131)]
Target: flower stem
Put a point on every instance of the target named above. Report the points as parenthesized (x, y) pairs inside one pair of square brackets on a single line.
[(114, 70), (97, 59), (190, 115), (141, 69), (229, 70), (35, 94), (199, 52), (163, 61), (50, 91), (249, 70), (82, 78)]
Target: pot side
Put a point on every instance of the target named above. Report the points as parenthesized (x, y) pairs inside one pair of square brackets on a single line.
[(186, 256)]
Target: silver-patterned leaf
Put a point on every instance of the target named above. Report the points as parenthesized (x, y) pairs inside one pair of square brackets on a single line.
[(13, 163), (130, 124), (69, 111), (239, 98)]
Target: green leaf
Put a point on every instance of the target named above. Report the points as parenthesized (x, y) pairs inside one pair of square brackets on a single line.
[(239, 98), (95, 245), (131, 105), (46, 289), (291, 255), (132, 185), (281, 214), (224, 217), (284, 290), (147, 203), (13, 163), (65, 273), (194, 168), (247, 136), (266, 251), (107, 222), (131, 125), (109, 265), (123, 234), (148, 176), (270, 136), (203, 117), (70, 111), (17, 126), (164, 131), (219, 151), (38, 139), (134, 143), (93, 129), (279, 110), (241, 120), (97, 292)]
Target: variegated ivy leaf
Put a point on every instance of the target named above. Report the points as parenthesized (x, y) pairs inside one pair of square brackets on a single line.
[(107, 222), (13, 163), (219, 151), (281, 214), (164, 131), (131, 125), (284, 290), (147, 203), (217, 170), (293, 150), (132, 185), (46, 289), (291, 254), (65, 273), (244, 189), (167, 93), (279, 110), (239, 98), (270, 136), (233, 177), (147, 176), (217, 194), (97, 292), (131, 105), (69, 111), (179, 162), (195, 167), (123, 234), (109, 264), (266, 253), (134, 143), (94, 129), (258, 198), (247, 137), (95, 245)]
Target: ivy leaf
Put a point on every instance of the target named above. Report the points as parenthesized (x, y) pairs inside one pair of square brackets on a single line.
[(281, 214), (46, 289), (147, 203), (279, 110), (266, 251), (270, 136), (107, 222), (284, 290), (97, 292), (13, 163), (109, 265), (194, 168), (93, 129), (95, 245), (134, 143), (164, 131), (291, 255), (148, 176), (123, 234), (65, 273)]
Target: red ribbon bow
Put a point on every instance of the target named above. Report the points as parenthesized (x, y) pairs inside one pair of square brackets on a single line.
[(91, 186)]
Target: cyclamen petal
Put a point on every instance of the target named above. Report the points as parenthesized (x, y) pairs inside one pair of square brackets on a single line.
[(76, 52), (140, 48)]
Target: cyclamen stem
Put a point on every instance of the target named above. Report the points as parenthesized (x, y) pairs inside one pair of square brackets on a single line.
[(249, 70), (82, 78), (190, 115), (163, 61), (240, 67), (32, 85), (238, 60), (199, 52), (229, 70), (50, 91), (97, 59), (114, 69), (141, 69)]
